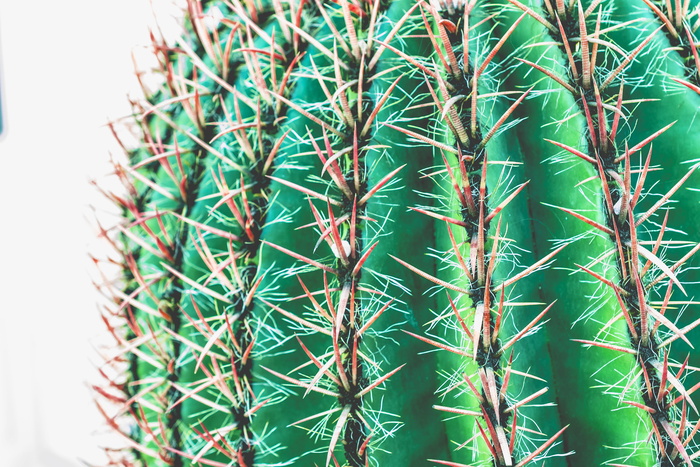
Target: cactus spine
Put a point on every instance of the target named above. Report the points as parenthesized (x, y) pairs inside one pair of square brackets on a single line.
[(411, 233)]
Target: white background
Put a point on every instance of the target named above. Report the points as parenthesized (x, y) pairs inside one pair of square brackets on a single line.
[(66, 69)]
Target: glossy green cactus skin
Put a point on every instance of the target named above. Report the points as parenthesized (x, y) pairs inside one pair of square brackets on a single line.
[(398, 233)]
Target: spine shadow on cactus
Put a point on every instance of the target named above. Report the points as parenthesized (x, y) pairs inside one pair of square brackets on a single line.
[(296, 147)]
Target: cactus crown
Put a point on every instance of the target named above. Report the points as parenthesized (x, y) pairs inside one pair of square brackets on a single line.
[(405, 233)]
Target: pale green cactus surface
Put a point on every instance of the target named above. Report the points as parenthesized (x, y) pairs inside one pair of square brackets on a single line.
[(411, 233)]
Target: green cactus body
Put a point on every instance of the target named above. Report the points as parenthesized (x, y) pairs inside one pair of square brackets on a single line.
[(399, 233)]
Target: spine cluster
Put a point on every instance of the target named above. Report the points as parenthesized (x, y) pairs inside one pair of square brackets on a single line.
[(680, 26)]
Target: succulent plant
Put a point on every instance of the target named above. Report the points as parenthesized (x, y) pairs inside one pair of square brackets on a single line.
[(406, 233)]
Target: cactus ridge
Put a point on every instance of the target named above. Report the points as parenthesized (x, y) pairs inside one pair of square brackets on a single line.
[(343, 156), (456, 97), (619, 201), (362, 232)]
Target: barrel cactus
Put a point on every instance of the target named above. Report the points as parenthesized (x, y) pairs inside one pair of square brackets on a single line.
[(411, 233)]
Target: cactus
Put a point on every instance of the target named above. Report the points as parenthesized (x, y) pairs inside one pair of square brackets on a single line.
[(406, 233)]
